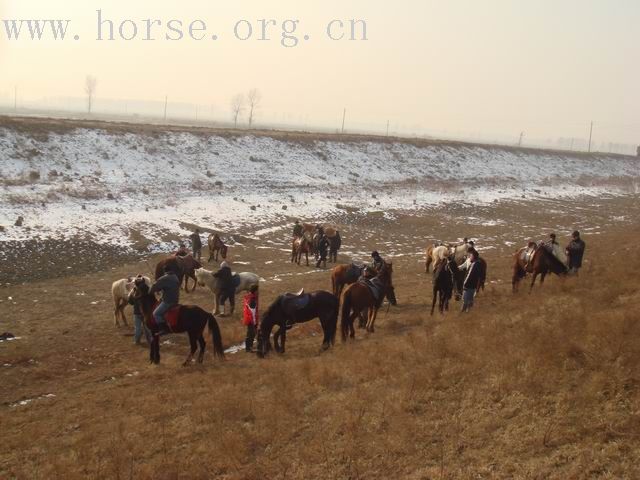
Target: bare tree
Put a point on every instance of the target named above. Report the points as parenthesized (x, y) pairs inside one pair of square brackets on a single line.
[(90, 85), (253, 97), (237, 107)]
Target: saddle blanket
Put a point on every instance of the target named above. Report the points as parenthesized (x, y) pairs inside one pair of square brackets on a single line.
[(171, 317), (375, 287)]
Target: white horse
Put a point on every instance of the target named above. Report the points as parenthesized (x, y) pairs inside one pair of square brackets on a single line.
[(459, 252), (206, 278), (435, 254), (120, 290)]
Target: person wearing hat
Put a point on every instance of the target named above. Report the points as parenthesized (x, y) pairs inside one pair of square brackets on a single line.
[(250, 317), (575, 252), (323, 250), (182, 251), (227, 290), (169, 285), (298, 230), (196, 244), (378, 262), (471, 281)]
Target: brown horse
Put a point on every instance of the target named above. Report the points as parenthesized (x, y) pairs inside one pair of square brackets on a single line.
[(446, 278), (190, 319), (542, 262), (216, 247), (299, 246), (184, 268), (366, 295)]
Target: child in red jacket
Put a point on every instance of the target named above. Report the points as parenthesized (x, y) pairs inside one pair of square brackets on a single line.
[(250, 317)]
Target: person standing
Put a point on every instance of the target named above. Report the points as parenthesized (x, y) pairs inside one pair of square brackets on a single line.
[(227, 289), (196, 244), (138, 321), (298, 230), (251, 317), (575, 252), (323, 250), (470, 282)]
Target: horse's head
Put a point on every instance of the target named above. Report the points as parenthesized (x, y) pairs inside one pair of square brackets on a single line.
[(140, 287), (200, 273), (269, 318)]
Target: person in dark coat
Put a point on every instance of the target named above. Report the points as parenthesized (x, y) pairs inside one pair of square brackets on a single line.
[(227, 290), (182, 251), (169, 285), (323, 250), (298, 230), (471, 281), (575, 252), (378, 263), (196, 244), (138, 321)]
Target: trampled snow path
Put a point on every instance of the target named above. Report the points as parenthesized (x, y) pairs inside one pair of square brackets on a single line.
[(103, 185)]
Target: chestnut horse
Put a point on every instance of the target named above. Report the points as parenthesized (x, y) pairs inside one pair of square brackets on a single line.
[(184, 268), (191, 319), (216, 247), (289, 309), (299, 246), (541, 263), (359, 297), (343, 275)]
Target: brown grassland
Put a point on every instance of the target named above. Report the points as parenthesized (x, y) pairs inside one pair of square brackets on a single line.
[(534, 386)]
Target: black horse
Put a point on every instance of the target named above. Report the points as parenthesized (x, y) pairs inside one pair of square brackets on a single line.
[(289, 309), (446, 277), (190, 319)]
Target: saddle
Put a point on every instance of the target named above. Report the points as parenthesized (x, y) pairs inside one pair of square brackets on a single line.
[(527, 255), (376, 287), (171, 317), (294, 302), (354, 272)]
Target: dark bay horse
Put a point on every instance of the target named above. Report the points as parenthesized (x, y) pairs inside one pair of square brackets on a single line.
[(216, 247), (289, 309), (361, 296), (541, 263), (184, 268), (447, 278), (190, 319), (299, 246)]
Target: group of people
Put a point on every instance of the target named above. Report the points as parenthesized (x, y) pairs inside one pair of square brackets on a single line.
[(322, 244)]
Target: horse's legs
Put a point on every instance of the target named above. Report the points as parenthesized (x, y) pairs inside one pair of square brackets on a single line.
[(203, 345), (326, 343), (216, 304), (373, 314), (533, 281), (542, 276), (307, 254), (194, 346), (283, 337), (154, 349), (435, 299)]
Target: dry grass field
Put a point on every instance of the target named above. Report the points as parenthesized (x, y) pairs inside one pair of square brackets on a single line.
[(534, 386)]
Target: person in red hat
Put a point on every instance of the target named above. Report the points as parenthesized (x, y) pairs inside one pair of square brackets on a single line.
[(251, 317)]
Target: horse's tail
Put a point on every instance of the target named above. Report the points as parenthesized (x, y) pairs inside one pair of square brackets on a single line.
[(218, 349), (346, 313), (333, 284)]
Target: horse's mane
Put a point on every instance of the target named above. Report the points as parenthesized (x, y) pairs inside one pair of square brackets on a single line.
[(555, 262), (272, 307)]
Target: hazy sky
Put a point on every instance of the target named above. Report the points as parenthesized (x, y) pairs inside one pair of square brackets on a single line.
[(471, 66)]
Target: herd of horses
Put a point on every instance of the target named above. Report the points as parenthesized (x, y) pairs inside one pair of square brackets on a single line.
[(357, 292), (307, 244)]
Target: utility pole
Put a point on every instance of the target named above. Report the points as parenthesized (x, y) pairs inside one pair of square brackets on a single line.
[(387, 128), (572, 140), (590, 136), (166, 98), (344, 115), (520, 141), (15, 98)]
